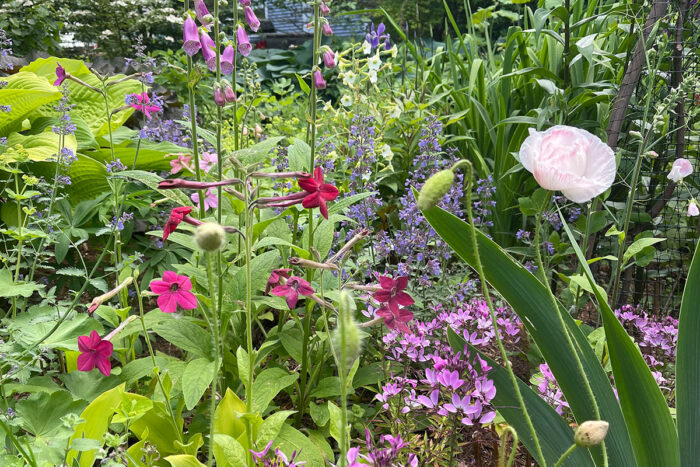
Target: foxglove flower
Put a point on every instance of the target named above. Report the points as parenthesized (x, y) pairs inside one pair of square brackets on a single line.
[(176, 216), (251, 19), (227, 59), (219, 98), (211, 200), (95, 353), (569, 160), (208, 51), (326, 29), (190, 37), (244, 2), (681, 168), (325, 11), (181, 163), (319, 82), (200, 8), (318, 192), (61, 75), (244, 46), (229, 95), (291, 290), (173, 291), (329, 58), (392, 292), (142, 104)]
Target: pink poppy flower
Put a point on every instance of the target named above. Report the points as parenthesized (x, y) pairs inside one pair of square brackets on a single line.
[(396, 320), (176, 216), (142, 104), (291, 290), (275, 277), (173, 291), (207, 161), (318, 192), (392, 292), (95, 353), (181, 163), (210, 200), (681, 168), (61, 75), (569, 160)]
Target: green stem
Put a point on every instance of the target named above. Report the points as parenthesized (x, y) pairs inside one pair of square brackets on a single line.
[(566, 454), (484, 286), (19, 242), (214, 382), (249, 220)]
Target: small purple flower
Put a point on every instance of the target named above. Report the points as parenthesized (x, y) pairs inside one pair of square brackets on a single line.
[(115, 166), (326, 29)]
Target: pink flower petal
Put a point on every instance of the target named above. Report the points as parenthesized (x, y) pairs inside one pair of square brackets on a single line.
[(186, 300), (159, 287), (86, 361), (103, 365), (167, 302)]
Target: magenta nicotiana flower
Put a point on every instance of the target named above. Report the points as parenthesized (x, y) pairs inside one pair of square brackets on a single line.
[(319, 82), (173, 291), (291, 290), (61, 75), (142, 104), (244, 46), (207, 160), (251, 19), (227, 59), (95, 353), (190, 37), (208, 50)]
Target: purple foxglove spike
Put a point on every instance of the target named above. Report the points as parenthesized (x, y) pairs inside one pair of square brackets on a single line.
[(190, 37), (229, 95), (329, 58), (244, 46), (325, 11), (251, 19), (200, 8), (219, 98), (319, 82), (326, 29), (227, 59), (208, 50)]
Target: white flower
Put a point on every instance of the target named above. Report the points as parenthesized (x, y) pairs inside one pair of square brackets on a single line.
[(394, 51), (349, 78), (366, 48), (681, 168), (387, 153), (346, 100), (693, 208), (373, 76), (395, 112), (374, 62)]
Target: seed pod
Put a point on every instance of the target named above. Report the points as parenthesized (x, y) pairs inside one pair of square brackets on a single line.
[(591, 433), (209, 236), (435, 188), (347, 340)]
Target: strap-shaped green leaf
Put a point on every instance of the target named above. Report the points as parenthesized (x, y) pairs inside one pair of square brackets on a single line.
[(688, 368), (649, 421), (531, 301)]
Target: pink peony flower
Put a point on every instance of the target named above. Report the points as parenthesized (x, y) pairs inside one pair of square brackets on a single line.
[(693, 208), (142, 104), (207, 161), (681, 168), (95, 353), (61, 75), (292, 289), (181, 163), (210, 200), (173, 291), (569, 160)]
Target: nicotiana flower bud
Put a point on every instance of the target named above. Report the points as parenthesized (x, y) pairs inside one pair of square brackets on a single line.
[(347, 340), (591, 433), (209, 236), (435, 188), (651, 154)]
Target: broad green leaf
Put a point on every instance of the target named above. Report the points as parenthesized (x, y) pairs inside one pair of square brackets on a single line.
[(156, 426), (186, 335), (65, 337), (43, 146), (258, 152), (299, 155), (41, 413), (184, 460), (268, 384), (24, 93), (531, 301), (226, 418), (196, 379), (8, 288), (228, 451), (688, 368), (336, 427), (290, 439), (271, 426), (637, 246), (554, 433), (97, 416), (261, 267), (649, 421)]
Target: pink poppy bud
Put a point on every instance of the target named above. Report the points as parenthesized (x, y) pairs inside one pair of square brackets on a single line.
[(200, 8), (190, 37), (229, 95), (325, 11), (227, 59), (569, 160), (208, 50), (251, 19), (219, 98), (326, 29), (319, 82), (244, 46), (329, 59), (681, 168)]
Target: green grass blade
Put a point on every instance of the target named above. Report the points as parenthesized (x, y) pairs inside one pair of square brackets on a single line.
[(530, 300), (650, 425), (555, 434)]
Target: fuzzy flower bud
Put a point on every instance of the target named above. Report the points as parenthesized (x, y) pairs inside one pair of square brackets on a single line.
[(219, 98), (209, 236), (229, 95), (347, 340), (591, 433), (435, 188)]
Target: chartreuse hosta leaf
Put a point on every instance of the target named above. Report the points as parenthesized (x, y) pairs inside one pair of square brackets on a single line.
[(554, 433), (532, 303), (646, 413), (44, 146), (24, 93)]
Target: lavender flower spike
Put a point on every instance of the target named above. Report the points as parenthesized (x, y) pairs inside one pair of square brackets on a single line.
[(244, 46), (251, 19), (190, 37)]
